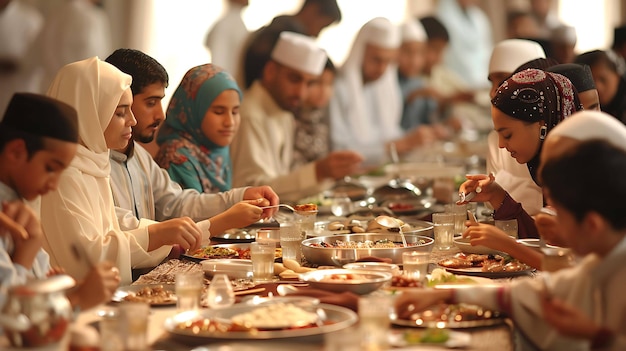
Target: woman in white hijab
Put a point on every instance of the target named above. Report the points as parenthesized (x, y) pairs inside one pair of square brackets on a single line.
[(80, 212)]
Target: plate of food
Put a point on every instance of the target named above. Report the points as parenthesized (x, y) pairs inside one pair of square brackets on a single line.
[(489, 266), (438, 277), (340, 280), (464, 245), (273, 321), (453, 316), (429, 337), (153, 294), (224, 251)]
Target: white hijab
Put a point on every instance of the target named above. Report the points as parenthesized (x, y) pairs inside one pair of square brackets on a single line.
[(382, 33), (588, 125), (94, 88)]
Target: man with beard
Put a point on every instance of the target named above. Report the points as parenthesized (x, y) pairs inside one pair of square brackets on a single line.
[(262, 151), (143, 192)]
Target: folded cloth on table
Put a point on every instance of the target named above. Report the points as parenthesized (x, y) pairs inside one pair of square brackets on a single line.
[(374, 259)]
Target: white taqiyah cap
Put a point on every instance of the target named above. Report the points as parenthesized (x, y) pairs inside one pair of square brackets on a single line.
[(299, 52), (412, 30), (509, 54), (381, 32), (588, 125)]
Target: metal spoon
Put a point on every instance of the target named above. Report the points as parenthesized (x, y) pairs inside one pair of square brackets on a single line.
[(390, 222), (279, 205)]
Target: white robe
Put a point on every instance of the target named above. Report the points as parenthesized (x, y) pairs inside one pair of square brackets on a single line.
[(595, 286), (225, 40), (81, 210), (262, 150), (513, 176), (143, 193)]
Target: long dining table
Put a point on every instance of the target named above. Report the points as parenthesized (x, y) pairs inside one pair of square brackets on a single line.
[(497, 337)]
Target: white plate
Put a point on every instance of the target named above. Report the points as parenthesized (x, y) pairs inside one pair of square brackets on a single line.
[(534, 243), (123, 291), (340, 317), (464, 245)]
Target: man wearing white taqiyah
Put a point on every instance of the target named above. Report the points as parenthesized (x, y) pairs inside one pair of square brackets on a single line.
[(262, 150), (366, 109), (507, 55)]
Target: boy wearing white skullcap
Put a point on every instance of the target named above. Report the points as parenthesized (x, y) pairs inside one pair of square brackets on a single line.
[(262, 150)]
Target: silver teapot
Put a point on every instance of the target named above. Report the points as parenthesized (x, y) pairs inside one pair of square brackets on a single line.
[(38, 313)]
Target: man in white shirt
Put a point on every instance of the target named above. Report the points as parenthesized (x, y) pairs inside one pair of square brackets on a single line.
[(262, 150), (143, 192)]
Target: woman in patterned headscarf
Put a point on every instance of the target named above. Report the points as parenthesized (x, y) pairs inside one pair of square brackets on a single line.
[(202, 119), (524, 110)]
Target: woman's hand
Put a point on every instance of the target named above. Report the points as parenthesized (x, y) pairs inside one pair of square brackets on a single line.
[(485, 187), (549, 229), (489, 236), (240, 215), (265, 196)]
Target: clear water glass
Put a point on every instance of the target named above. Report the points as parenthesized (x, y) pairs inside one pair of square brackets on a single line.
[(341, 205), (220, 293)]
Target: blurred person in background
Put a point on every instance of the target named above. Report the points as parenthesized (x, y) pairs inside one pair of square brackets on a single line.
[(227, 36), (312, 17), (610, 84), (76, 30), (545, 17), (563, 43), (20, 24), (312, 134), (470, 40), (582, 78)]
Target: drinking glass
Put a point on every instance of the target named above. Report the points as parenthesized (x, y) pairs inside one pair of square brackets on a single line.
[(189, 290), (268, 234), (508, 226), (374, 321), (134, 325), (220, 293), (306, 221), (443, 226), (262, 256), (415, 264), (460, 216), (290, 242), (341, 205)]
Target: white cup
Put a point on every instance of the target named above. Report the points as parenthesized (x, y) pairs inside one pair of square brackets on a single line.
[(415, 264), (375, 321), (134, 323)]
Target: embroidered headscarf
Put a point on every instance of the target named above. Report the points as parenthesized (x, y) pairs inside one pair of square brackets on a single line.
[(183, 144), (533, 96)]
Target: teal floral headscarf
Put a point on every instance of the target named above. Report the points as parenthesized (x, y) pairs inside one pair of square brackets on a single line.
[(189, 157)]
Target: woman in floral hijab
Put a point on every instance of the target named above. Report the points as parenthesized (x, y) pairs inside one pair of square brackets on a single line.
[(202, 119)]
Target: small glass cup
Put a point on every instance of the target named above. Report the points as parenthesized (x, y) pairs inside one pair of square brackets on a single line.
[(374, 321), (460, 216), (268, 234), (220, 293), (415, 264), (262, 256), (291, 242), (189, 290), (110, 329), (306, 221), (443, 227), (134, 325), (341, 204), (508, 226)]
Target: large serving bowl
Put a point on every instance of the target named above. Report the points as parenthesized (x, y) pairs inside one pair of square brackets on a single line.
[(341, 280), (325, 255)]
